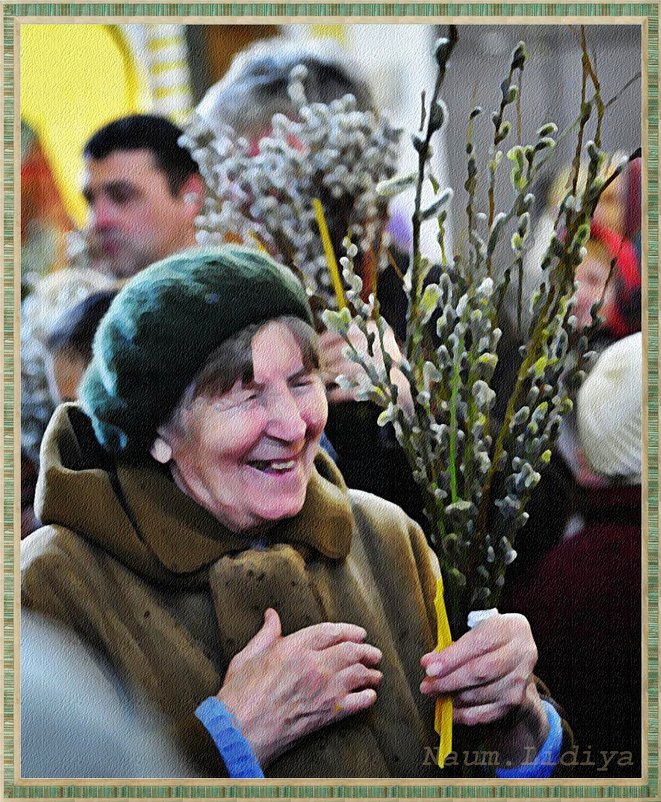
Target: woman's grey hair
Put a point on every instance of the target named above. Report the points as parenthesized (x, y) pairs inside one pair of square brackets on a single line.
[(232, 361), (256, 84)]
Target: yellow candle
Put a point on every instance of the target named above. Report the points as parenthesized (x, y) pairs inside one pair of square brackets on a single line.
[(329, 253), (443, 712)]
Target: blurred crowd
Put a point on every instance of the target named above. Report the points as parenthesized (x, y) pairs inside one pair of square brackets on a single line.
[(578, 576)]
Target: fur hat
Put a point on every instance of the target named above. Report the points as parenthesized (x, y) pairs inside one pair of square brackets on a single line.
[(161, 328), (256, 85), (609, 410)]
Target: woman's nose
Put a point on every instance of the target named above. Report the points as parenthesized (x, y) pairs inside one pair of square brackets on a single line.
[(285, 419)]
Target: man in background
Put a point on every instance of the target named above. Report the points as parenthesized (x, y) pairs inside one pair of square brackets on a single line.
[(143, 191)]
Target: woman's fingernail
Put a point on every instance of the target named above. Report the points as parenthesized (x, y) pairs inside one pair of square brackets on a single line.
[(434, 670)]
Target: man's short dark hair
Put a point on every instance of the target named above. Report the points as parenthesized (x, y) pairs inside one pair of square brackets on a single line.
[(148, 132)]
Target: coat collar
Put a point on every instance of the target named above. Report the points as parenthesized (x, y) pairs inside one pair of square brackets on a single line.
[(185, 537)]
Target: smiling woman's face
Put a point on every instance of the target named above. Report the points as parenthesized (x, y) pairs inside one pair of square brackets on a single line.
[(247, 455)]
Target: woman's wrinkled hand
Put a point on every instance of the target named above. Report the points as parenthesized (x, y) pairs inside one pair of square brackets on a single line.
[(282, 688), (488, 673)]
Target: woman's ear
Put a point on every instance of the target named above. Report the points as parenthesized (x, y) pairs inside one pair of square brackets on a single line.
[(161, 451)]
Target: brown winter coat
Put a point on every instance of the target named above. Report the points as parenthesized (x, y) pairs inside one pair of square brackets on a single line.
[(169, 595)]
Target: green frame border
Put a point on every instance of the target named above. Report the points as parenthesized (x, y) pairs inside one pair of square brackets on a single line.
[(364, 789)]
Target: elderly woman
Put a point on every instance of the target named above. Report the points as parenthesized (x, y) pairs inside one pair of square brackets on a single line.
[(197, 538)]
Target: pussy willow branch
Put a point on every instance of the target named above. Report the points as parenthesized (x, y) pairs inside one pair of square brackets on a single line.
[(412, 329), (565, 272)]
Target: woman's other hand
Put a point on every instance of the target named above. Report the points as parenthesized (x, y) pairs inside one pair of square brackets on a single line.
[(489, 674), (281, 688)]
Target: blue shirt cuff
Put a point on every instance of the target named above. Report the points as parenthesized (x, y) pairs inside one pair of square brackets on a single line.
[(235, 750), (546, 759)]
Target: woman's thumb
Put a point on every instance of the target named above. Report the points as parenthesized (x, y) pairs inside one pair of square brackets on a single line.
[(269, 633)]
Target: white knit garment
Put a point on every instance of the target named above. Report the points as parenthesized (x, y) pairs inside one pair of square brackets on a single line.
[(609, 410)]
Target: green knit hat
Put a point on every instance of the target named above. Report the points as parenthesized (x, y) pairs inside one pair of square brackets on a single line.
[(161, 328)]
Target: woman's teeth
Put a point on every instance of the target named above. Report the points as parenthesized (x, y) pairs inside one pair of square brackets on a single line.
[(266, 465)]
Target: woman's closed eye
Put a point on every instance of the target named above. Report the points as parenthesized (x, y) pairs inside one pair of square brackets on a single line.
[(237, 398), (303, 381)]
